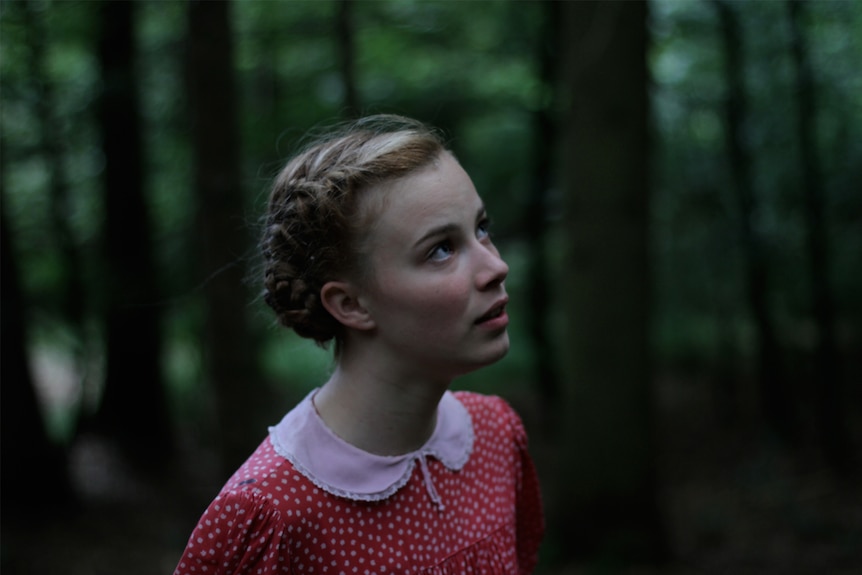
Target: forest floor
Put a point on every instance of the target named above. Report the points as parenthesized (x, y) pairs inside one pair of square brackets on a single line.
[(732, 505)]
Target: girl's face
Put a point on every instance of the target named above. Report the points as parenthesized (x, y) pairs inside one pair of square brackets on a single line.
[(435, 291)]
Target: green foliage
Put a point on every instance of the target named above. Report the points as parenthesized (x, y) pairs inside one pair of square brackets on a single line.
[(67, 67), (438, 61), (470, 68), (698, 258)]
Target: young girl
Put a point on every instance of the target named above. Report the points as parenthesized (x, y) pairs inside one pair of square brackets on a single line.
[(376, 239)]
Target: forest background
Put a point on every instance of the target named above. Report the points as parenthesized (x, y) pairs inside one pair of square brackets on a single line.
[(671, 183)]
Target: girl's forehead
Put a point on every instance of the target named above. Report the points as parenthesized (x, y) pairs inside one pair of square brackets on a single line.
[(438, 194)]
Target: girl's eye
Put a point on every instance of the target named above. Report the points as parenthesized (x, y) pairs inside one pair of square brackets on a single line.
[(441, 251), (483, 229)]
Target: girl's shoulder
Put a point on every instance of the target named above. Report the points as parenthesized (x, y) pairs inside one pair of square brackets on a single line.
[(483, 404), (268, 489), (269, 484), (473, 398), (252, 512), (491, 411), (257, 472)]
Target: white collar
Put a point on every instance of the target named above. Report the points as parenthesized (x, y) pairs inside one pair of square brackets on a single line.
[(344, 470)]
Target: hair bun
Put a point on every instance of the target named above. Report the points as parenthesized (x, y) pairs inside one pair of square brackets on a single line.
[(314, 225)]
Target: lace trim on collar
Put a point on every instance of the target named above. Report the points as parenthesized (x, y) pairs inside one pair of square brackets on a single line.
[(346, 471)]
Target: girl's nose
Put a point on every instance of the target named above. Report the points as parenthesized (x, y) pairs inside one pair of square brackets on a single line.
[(493, 269)]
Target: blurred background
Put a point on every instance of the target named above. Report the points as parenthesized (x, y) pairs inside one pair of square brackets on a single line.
[(671, 183)]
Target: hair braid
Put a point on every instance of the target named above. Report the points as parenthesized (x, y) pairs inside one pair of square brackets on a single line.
[(313, 229)]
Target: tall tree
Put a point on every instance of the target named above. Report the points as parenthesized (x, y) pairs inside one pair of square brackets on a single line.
[(34, 473), (345, 37), (607, 483), (537, 213), (775, 396), (228, 349), (50, 147), (134, 407), (831, 419)]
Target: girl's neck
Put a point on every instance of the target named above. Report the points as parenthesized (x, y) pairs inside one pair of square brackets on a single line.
[(379, 410)]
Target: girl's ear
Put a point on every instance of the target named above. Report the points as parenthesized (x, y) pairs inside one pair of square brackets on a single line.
[(340, 300)]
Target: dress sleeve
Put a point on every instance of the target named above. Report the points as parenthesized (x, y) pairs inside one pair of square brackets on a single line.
[(531, 517), (239, 533)]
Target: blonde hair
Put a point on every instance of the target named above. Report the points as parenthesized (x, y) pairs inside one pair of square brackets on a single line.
[(315, 226)]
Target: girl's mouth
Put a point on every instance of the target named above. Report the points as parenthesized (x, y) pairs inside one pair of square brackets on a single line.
[(495, 312)]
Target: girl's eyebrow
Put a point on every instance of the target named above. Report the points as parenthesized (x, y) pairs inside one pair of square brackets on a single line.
[(446, 228)]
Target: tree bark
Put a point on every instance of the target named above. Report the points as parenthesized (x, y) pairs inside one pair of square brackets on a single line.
[(134, 408), (608, 489)]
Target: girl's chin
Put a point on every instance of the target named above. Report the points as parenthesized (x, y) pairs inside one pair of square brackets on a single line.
[(503, 348), (492, 355)]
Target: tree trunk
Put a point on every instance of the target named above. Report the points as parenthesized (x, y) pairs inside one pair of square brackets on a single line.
[(537, 215), (346, 56), (50, 147), (607, 487), (134, 408), (775, 396), (230, 364), (830, 416), (34, 473)]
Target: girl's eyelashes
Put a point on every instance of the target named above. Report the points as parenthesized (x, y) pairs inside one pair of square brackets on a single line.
[(483, 228), (441, 251), (444, 249)]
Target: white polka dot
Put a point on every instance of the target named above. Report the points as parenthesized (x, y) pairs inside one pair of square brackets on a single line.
[(251, 520)]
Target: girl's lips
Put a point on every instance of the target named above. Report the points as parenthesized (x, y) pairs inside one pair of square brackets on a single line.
[(495, 317), (497, 322), (495, 310)]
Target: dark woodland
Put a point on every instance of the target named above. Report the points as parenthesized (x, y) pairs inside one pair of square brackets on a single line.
[(671, 183)]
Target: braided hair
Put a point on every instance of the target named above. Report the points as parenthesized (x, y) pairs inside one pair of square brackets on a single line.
[(316, 222)]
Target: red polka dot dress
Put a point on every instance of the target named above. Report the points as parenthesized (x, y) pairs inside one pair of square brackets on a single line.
[(306, 501)]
